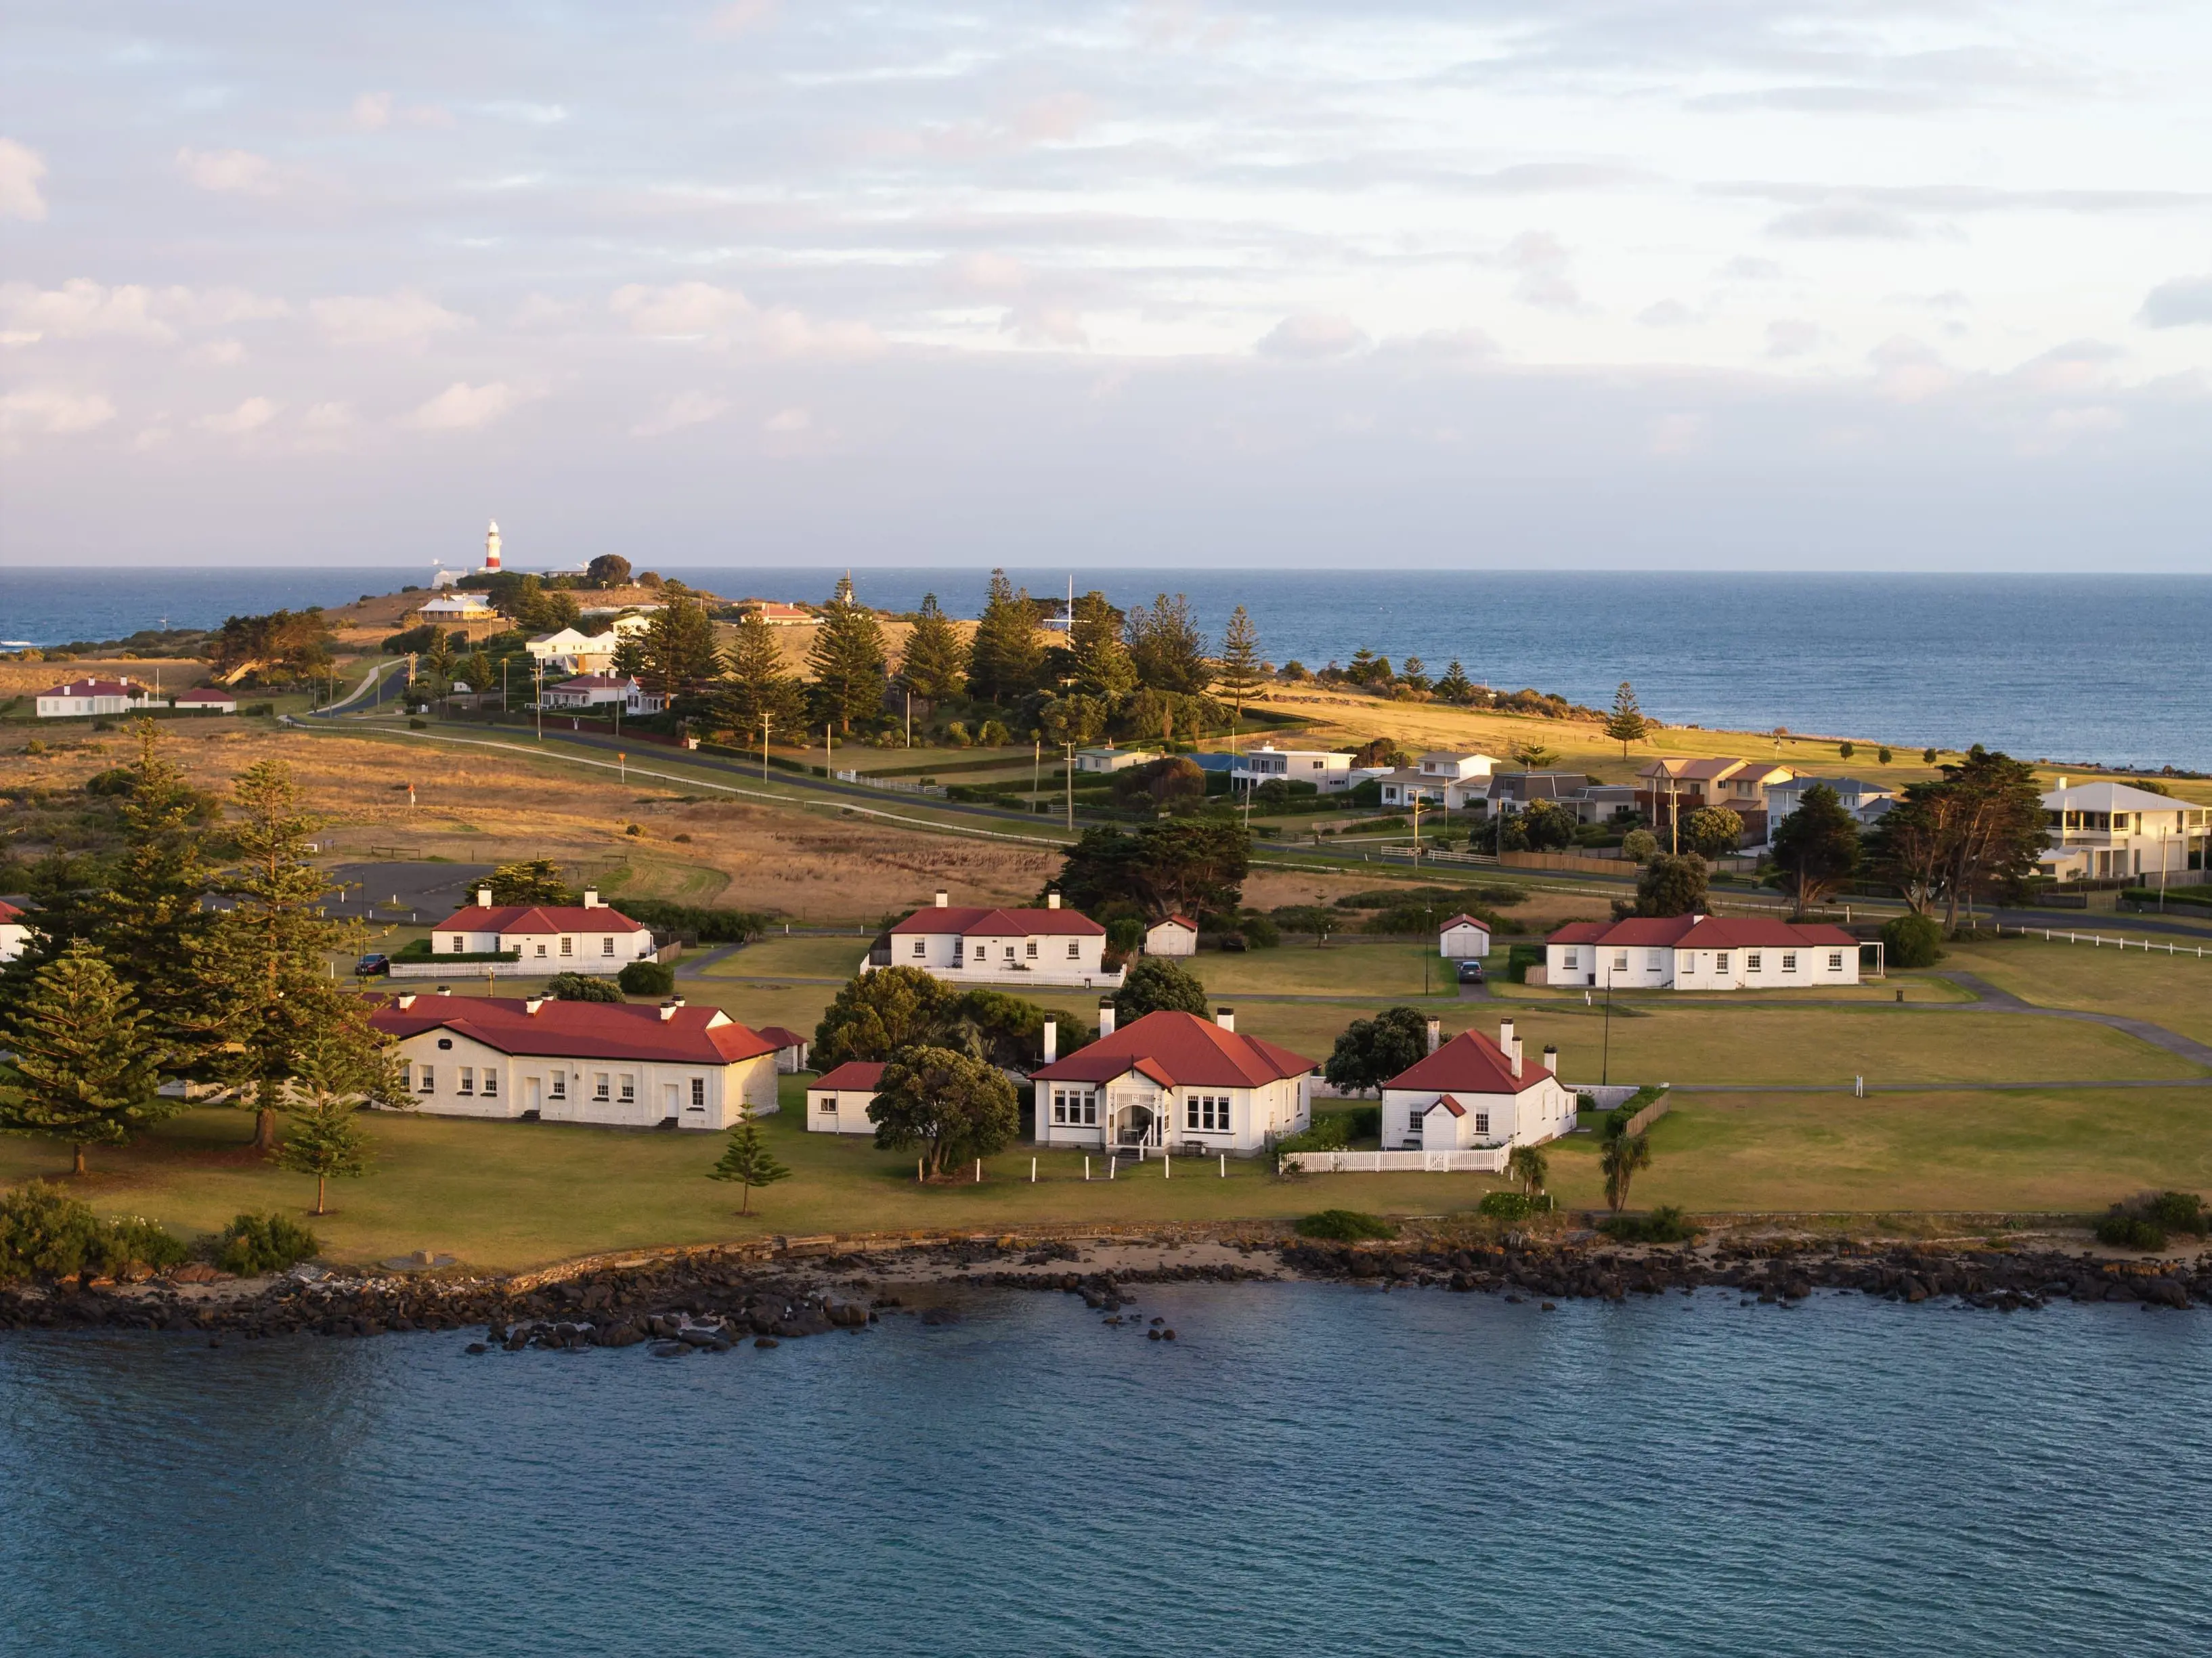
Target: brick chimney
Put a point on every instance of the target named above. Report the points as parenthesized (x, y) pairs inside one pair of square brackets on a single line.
[(1436, 1034), (1051, 1041), (1225, 1018), (1105, 1018)]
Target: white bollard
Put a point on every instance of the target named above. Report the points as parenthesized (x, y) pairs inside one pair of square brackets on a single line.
[(979, 1171), (1224, 1165), (1032, 1171), (1112, 1163), (1086, 1168), (1167, 1166)]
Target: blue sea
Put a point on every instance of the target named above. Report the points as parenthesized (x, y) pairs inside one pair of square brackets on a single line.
[(2111, 670), (1308, 1469)]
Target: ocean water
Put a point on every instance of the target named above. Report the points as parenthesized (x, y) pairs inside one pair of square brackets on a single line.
[(2109, 670), (1310, 1469)]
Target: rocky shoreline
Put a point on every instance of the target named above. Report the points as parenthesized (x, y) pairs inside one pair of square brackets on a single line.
[(704, 1301)]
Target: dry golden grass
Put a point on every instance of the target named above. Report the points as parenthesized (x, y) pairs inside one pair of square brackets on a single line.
[(21, 678)]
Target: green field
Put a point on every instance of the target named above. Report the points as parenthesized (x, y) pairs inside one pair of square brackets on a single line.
[(2174, 991)]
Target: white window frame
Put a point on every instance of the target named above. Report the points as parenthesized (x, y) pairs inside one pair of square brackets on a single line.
[(426, 1079), (607, 944), (1031, 948), (1752, 960), (828, 1105), (1835, 960), (1789, 961), (629, 1088), (920, 948), (699, 1091), (568, 945), (602, 1086), (467, 1085), (1074, 949), (491, 1083), (558, 1088), (1482, 1122)]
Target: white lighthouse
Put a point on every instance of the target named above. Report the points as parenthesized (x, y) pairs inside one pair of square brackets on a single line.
[(491, 550)]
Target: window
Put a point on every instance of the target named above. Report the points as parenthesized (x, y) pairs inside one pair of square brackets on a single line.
[(699, 1090), (468, 1082), (1072, 952), (606, 947), (1751, 961), (541, 949), (567, 946), (1570, 961), (1720, 961), (1010, 952), (921, 949), (629, 1089), (426, 1079), (1207, 1114), (600, 1085), (560, 1087), (1482, 1122), (1789, 961), (1658, 962), (1835, 960), (1620, 961), (491, 1084), (1077, 1107), (828, 1105), (1032, 950), (460, 945)]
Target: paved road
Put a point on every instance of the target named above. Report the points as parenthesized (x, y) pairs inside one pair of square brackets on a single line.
[(426, 891)]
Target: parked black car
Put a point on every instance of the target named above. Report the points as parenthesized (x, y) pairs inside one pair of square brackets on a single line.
[(1470, 972), (370, 965)]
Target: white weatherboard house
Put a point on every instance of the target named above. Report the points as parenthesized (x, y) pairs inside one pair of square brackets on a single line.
[(2109, 831), (1438, 778), (1463, 939), (586, 937), (1700, 952), (1113, 760), (837, 1101), (207, 699), (1472, 1092), (597, 690), (1172, 1082), (1175, 936), (620, 1064), (80, 697), (14, 933), (963, 944), (572, 651)]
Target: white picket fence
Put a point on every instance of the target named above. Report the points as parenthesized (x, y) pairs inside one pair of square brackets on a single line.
[(895, 784), (1483, 1160)]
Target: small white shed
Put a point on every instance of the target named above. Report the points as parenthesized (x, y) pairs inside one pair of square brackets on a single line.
[(837, 1101), (1463, 939), (1175, 936)]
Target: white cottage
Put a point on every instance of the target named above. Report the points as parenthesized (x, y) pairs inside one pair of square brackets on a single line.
[(1700, 952), (15, 931), (1463, 939), (963, 944), (622, 1064), (1172, 1082), (589, 937), (1471, 1091), (1175, 936), (837, 1101)]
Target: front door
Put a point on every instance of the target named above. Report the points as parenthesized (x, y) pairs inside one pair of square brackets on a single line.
[(533, 1094), (669, 1107)]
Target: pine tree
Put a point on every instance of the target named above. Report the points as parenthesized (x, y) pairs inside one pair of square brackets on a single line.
[(1415, 674), (1455, 686), (754, 687), (934, 665), (850, 674), (1168, 648), (678, 651), (1241, 677), (1005, 660), (1626, 723), (749, 1162), (85, 1068), (1100, 662), (628, 661), (340, 1066), (265, 990)]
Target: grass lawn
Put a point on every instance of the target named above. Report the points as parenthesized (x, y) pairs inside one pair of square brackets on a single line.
[(2070, 1151), (1356, 970), (808, 957), (2174, 991), (1917, 988)]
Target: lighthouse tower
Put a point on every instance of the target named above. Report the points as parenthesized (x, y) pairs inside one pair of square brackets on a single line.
[(491, 550)]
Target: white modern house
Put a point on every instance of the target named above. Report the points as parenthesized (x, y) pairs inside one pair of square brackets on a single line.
[(15, 931), (1865, 801), (1177, 935), (1172, 1082), (624, 1065), (1437, 777), (1700, 952), (1463, 939), (964, 944), (207, 699), (587, 692), (2111, 831), (1110, 759), (1471, 1092), (586, 937), (837, 1101), (572, 651), (81, 697)]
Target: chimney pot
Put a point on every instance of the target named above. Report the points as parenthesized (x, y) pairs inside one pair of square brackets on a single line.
[(1436, 1034), (2063, 782), (445, 990), (1051, 1041), (1551, 1058), (484, 898), (1225, 1018), (1105, 1018), (1052, 901)]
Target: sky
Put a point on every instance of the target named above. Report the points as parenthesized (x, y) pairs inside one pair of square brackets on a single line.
[(1757, 284)]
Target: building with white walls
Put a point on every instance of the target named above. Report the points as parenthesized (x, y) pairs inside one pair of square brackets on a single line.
[(1700, 952), (1463, 939), (2113, 831), (837, 1101), (969, 944), (585, 938), (1471, 1092), (1172, 1082)]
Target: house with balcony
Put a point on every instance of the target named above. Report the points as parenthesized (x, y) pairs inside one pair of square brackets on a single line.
[(1442, 777), (537, 938), (973, 944), (1173, 1083), (571, 651), (1472, 1092), (2113, 831), (1700, 952), (1667, 789), (1865, 801), (1330, 771), (619, 1064)]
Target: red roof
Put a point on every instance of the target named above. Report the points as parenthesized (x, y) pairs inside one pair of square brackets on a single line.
[(782, 1037), (538, 918), (970, 920), (1580, 932), (581, 1031), (8, 912), (1464, 920), (1182, 922), (1704, 933), (94, 688), (1179, 1050), (207, 694), (593, 682), (1470, 1063), (855, 1074)]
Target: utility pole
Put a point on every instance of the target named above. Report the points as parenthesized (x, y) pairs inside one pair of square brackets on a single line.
[(537, 671), (910, 719), (1417, 852), (764, 748), (1037, 768), (1071, 788)]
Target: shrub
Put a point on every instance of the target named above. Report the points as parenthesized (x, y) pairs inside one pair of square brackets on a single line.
[(418, 725), (581, 988), (250, 709), (1847, 749), (45, 1233), (264, 1243), (1259, 932), (1665, 1225), (2143, 1221), (1884, 755), (1345, 1226), (1912, 941), (1329, 1134), (1928, 756), (2131, 1232), (1506, 1206), (646, 978), (133, 1242)]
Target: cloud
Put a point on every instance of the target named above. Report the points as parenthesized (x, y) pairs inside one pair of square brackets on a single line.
[(217, 354), (543, 310), (20, 169), (1745, 268), (788, 421), (1311, 336), (1679, 433), (56, 413), (681, 410), (231, 172), (464, 408), (740, 17), (2075, 422), (692, 310), (372, 112), (406, 319), (1791, 336), (1046, 324), (328, 417), (990, 273), (1666, 313), (1846, 221), (1907, 370), (1541, 260), (249, 417), (79, 309), (2184, 302), (2076, 366), (1053, 119)]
